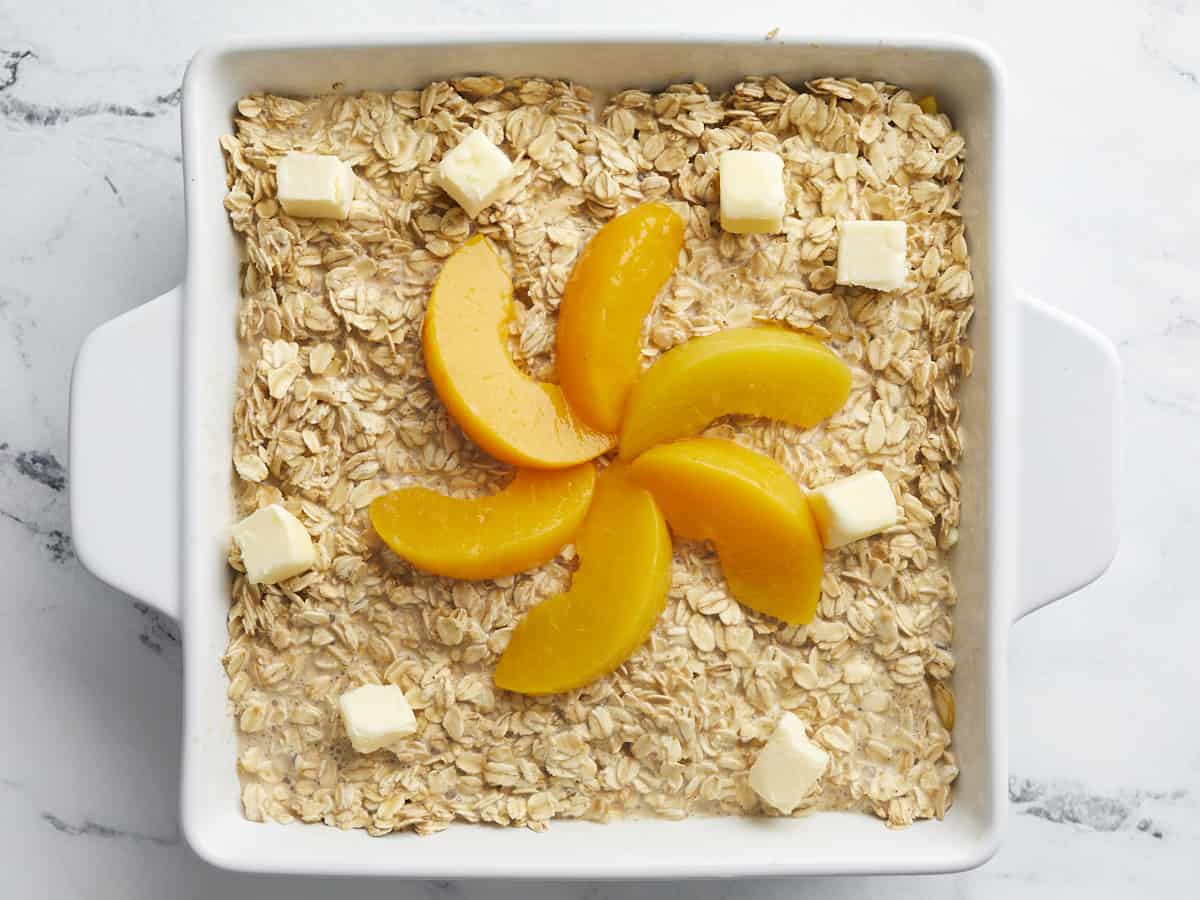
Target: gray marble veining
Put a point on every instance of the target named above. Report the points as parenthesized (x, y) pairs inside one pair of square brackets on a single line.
[(42, 468), (1104, 190), (88, 828)]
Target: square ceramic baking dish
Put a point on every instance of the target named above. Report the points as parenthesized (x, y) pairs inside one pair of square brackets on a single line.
[(151, 407)]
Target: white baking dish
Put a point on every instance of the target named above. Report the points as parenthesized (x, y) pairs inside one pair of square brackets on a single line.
[(151, 497)]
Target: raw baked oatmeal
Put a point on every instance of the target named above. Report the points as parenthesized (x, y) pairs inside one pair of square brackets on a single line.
[(334, 409)]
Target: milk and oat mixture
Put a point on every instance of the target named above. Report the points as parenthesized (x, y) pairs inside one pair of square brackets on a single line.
[(334, 409)]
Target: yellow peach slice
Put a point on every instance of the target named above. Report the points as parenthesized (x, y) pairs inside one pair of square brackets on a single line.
[(616, 595), (758, 371), (514, 418), (753, 513), (610, 290), (518, 528)]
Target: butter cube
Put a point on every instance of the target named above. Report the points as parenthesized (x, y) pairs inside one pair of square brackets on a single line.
[(872, 254), (852, 508), (752, 196), (314, 186), (375, 716), (274, 545), (474, 172), (788, 766)]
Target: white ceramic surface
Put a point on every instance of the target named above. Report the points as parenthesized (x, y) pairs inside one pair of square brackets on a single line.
[(1105, 775), (121, 358)]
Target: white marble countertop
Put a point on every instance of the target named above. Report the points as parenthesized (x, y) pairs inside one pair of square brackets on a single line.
[(1105, 125)]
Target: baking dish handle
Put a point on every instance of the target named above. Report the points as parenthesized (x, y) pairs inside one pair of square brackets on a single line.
[(124, 452), (1071, 424)]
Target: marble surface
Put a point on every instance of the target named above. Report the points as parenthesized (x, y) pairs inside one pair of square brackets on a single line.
[(1105, 757)]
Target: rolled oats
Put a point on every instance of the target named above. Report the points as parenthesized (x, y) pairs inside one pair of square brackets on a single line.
[(333, 409)]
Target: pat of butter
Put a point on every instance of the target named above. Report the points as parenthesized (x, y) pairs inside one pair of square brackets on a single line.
[(376, 716), (474, 172), (788, 766), (872, 254), (314, 186), (852, 508), (274, 545), (752, 196)]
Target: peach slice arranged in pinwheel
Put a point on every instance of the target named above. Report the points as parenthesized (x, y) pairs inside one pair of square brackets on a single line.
[(615, 597), (753, 513), (760, 371), (513, 417), (518, 528), (610, 290)]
